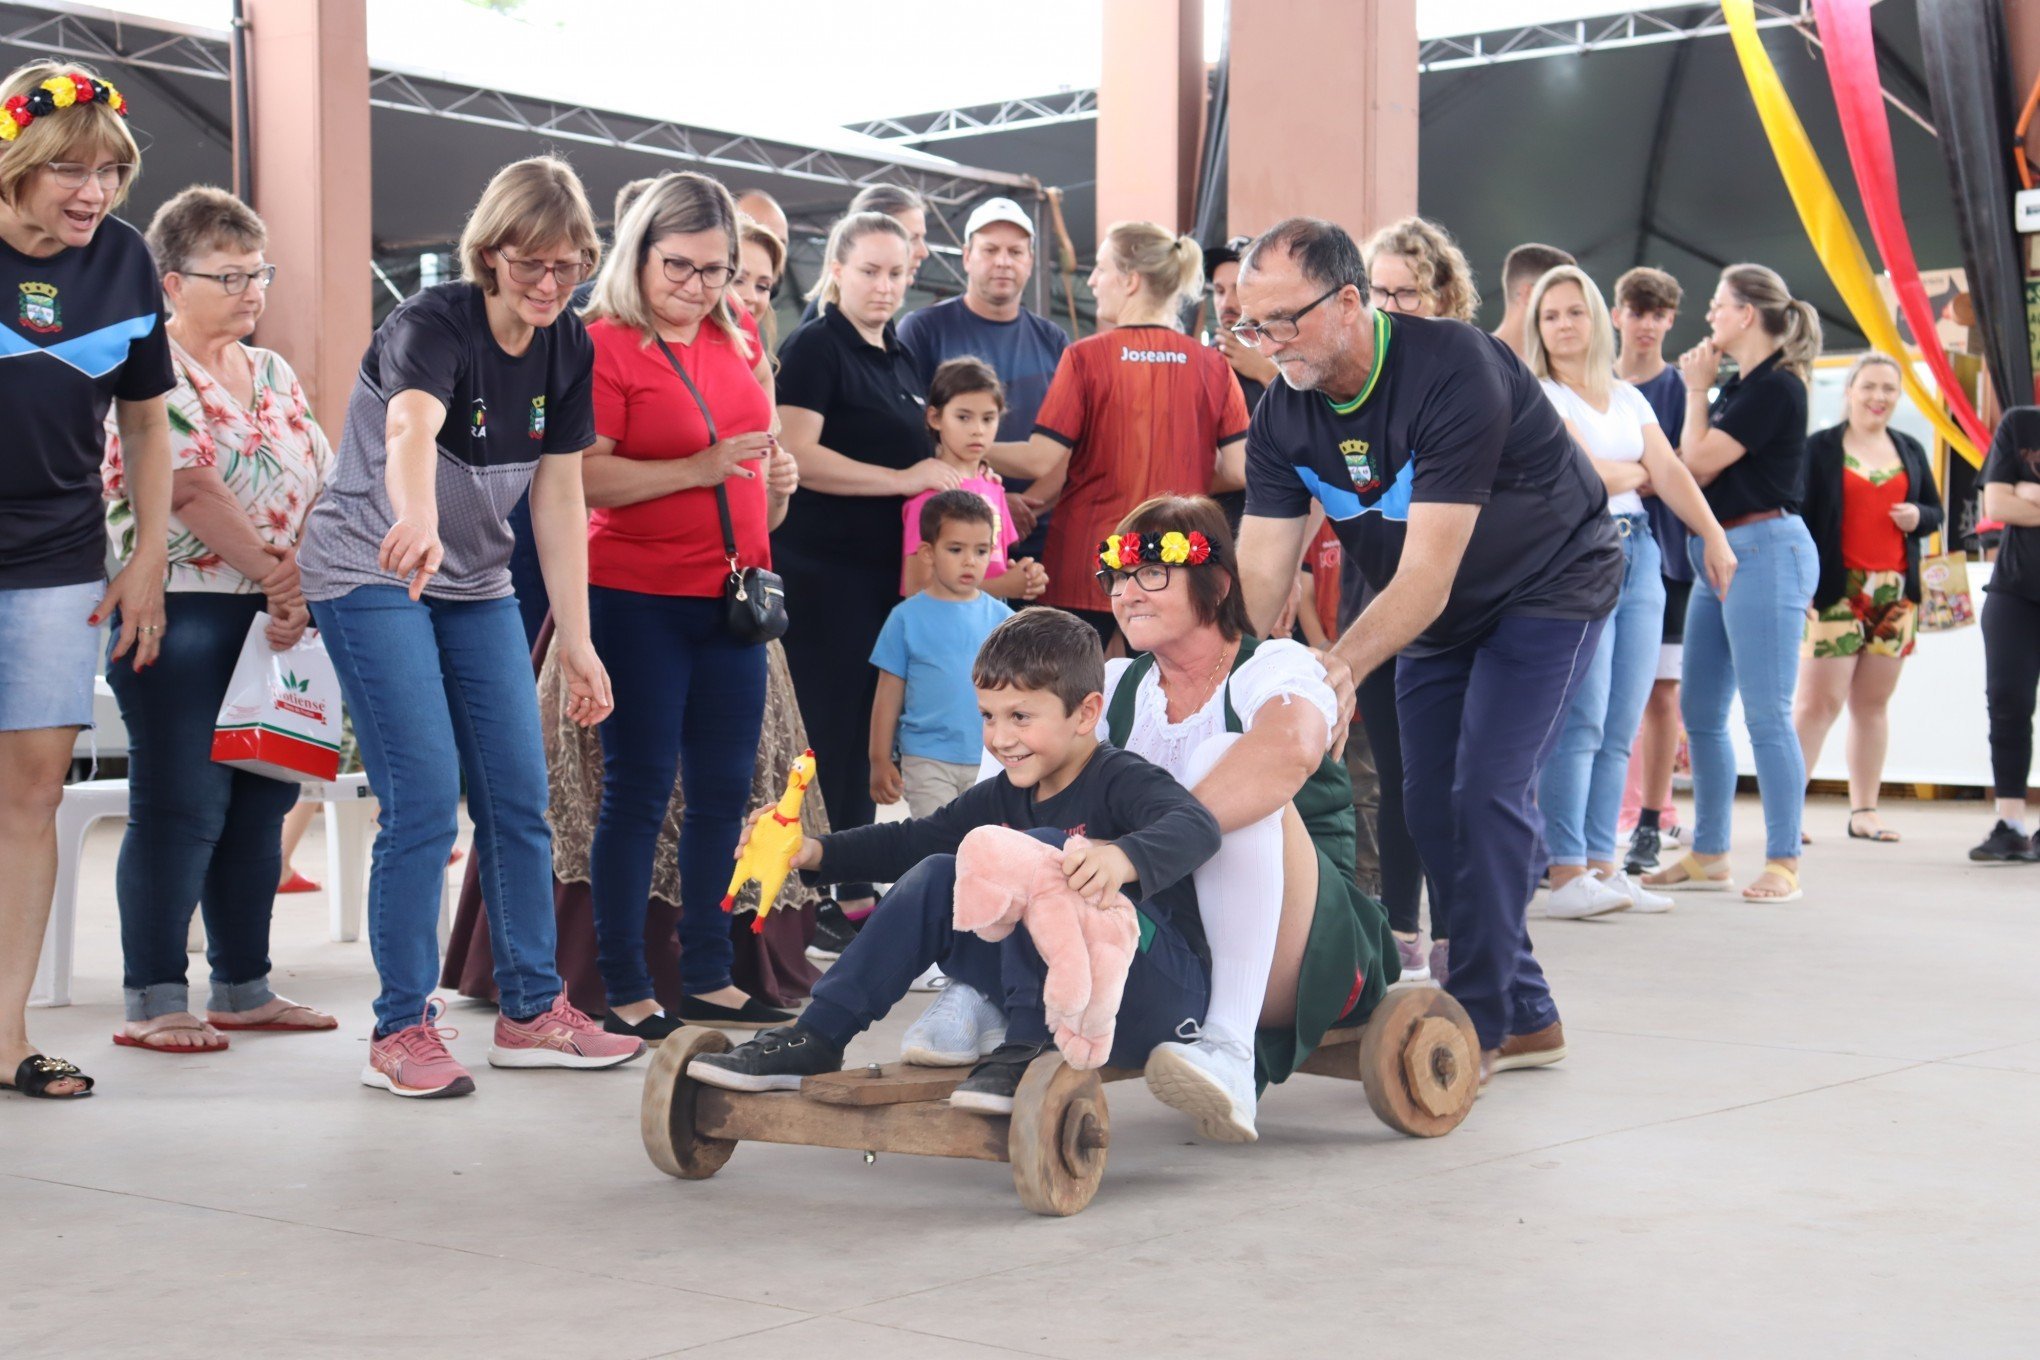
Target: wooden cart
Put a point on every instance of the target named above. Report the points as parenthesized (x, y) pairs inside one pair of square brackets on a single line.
[(1417, 1057)]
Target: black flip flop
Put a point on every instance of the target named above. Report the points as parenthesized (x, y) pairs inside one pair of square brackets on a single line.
[(38, 1072)]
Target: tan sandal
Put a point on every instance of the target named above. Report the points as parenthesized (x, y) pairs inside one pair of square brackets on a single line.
[(1791, 877), (1696, 877)]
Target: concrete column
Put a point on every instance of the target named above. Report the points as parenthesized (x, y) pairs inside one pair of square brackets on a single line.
[(1323, 113), (1150, 112), (2022, 31), (308, 97)]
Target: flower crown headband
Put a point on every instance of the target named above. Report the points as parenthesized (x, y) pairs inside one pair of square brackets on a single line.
[(1177, 549), (58, 92)]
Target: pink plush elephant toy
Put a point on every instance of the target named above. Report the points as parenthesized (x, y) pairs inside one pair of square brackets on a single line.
[(1005, 877)]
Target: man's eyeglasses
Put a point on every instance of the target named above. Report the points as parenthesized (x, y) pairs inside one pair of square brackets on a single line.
[(234, 281), (1280, 329), (1404, 299), (1149, 576), (712, 276), (568, 273), (70, 175)]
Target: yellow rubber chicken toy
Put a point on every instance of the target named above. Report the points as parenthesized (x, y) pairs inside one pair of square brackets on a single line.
[(768, 859)]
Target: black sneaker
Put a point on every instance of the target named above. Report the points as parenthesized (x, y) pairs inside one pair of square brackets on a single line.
[(990, 1086), (833, 932), (654, 1029), (774, 1061), (1644, 846), (2004, 846)]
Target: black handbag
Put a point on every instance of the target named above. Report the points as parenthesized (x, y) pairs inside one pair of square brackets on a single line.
[(754, 599)]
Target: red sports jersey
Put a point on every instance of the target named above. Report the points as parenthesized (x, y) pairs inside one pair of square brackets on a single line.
[(1143, 410)]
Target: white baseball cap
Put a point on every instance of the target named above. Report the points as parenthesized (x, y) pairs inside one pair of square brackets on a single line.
[(997, 210)]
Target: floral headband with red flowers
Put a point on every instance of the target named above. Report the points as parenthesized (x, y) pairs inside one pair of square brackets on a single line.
[(1123, 551), (58, 92)]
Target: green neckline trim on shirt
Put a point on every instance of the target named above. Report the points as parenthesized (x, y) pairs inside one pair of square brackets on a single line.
[(1381, 330)]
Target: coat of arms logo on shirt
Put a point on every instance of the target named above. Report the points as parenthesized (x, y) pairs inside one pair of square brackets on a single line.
[(536, 428), (1358, 465), (478, 420), (39, 310)]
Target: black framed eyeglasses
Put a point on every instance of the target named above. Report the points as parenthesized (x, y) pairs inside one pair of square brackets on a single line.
[(235, 281), (1404, 299), (1149, 576), (568, 273), (1280, 329), (712, 276)]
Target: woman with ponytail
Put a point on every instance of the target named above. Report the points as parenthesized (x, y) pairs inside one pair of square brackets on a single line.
[(1748, 451), (1138, 410)]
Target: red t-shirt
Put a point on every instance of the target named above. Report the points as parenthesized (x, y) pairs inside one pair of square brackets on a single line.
[(1143, 410), (673, 545)]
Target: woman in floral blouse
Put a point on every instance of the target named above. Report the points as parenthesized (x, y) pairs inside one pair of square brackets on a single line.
[(248, 463)]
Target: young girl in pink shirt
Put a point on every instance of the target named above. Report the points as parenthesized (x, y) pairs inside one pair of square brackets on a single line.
[(965, 401)]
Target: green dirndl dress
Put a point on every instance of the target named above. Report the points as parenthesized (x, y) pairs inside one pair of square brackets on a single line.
[(1350, 957)]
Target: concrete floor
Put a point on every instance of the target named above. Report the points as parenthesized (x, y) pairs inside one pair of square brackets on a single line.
[(1802, 1130)]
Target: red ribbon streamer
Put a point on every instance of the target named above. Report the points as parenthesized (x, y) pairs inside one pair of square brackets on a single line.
[(1859, 100)]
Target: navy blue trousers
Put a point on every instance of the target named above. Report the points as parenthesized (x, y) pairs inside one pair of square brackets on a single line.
[(1478, 723), (1166, 989)]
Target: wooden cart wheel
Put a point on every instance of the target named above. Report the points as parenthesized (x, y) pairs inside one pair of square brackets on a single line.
[(666, 1116), (1058, 1136), (1420, 1060)]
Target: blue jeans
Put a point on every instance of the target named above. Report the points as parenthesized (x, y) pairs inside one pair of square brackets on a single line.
[(688, 695), (198, 834), (1478, 723), (1580, 792), (911, 928), (1748, 643), (438, 688)]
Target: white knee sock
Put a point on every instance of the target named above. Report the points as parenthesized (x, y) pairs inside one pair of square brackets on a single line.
[(1239, 897)]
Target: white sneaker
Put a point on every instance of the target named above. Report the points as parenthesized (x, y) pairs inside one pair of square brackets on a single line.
[(934, 980), (1210, 1079), (1587, 895), (1641, 899), (960, 1027)]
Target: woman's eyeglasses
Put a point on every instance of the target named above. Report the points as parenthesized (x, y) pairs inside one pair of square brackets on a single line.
[(234, 280), (70, 175), (1405, 299), (1149, 576), (568, 273), (712, 276)]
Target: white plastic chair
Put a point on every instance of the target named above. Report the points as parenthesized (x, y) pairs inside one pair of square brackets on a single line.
[(84, 804), (350, 817)]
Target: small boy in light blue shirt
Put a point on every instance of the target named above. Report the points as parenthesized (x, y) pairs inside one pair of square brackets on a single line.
[(927, 708)]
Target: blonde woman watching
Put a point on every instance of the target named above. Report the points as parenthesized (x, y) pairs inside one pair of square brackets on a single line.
[(1571, 349)]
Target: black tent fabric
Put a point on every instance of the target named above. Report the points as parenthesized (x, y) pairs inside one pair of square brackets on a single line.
[(1963, 42)]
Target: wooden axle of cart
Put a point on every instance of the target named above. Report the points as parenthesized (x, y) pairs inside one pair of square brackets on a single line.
[(1416, 1056)]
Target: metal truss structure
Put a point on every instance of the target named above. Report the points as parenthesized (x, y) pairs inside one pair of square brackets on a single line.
[(105, 37), (1636, 28), (1068, 106)]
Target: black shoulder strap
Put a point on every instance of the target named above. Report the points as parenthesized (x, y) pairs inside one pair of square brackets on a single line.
[(1247, 644), (1119, 715), (722, 497)]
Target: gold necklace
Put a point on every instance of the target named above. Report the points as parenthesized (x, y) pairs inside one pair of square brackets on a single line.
[(1210, 684)]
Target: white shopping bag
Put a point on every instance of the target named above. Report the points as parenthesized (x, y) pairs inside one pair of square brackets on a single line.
[(282, 713)]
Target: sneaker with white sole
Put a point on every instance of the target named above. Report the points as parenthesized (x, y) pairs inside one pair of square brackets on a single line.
[(959, 1027), (1414, 955), (1645, 845), (560, 1036), (933, 979), (1642, 900), (1585, 896), (414, 1062), (1211, 1079)]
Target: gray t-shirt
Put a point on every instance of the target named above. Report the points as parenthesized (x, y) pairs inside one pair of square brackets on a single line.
[(502, 413)]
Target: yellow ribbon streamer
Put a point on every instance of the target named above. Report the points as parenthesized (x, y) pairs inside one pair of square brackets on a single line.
[(1827, 225)]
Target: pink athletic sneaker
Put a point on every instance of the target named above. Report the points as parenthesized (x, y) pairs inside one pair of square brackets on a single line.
[(562, 1037), (414, 1062)]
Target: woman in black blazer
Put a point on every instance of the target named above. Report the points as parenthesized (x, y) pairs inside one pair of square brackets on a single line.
[(1870, 502)]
